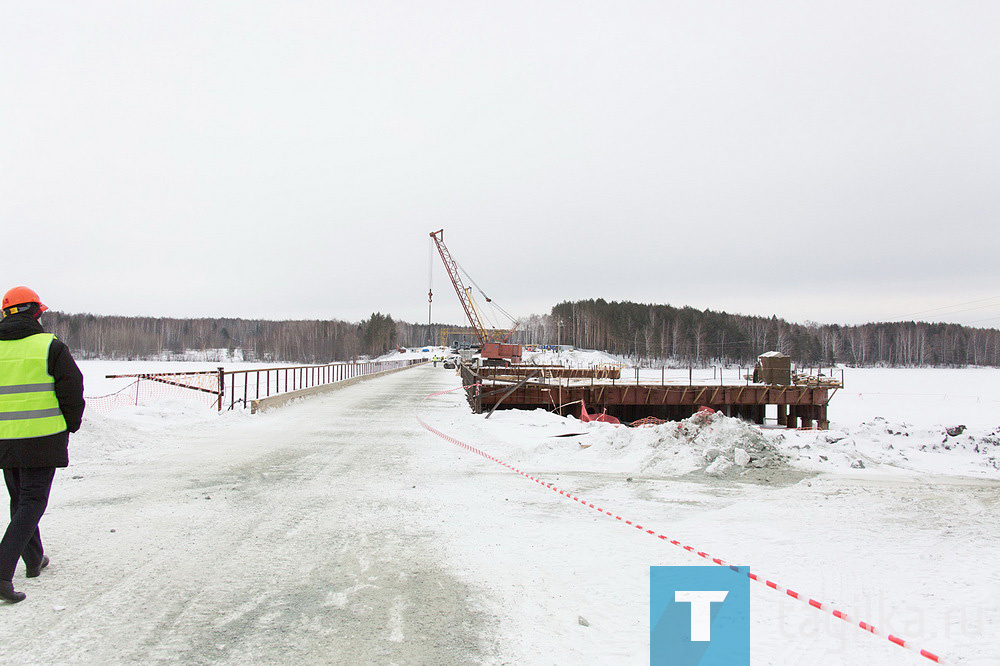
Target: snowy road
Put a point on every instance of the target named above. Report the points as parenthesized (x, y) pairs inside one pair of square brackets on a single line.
[(337, 530), (288, 538)]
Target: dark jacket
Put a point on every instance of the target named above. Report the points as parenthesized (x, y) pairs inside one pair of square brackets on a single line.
[(51, 450)]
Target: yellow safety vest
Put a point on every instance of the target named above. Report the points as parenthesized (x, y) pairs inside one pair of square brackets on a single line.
[(28, 403)]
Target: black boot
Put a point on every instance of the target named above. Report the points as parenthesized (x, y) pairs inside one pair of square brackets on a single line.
[(7, 592), (33, 572)]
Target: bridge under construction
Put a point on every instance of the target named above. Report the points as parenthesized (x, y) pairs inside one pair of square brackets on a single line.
[(572, 391)]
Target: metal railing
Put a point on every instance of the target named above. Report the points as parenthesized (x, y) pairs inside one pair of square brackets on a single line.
[(255, 384), (252, 384)]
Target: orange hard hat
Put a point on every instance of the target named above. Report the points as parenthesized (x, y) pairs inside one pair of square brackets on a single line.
[(20, 296)]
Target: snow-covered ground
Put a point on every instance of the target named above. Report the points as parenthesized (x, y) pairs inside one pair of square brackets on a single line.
[(340, 530), (571, 358), (885, 516)]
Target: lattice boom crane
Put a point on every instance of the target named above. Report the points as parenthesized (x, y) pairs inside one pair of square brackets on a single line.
[(488, 348)]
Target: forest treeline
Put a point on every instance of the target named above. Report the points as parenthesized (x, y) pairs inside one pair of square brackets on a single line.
[(651, 333), (700, 337), (307, 341)]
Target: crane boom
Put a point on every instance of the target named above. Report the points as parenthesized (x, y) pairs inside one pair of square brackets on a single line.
[(488, 348), (460, 289)]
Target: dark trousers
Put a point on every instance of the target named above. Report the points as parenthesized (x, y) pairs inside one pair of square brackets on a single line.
[(29, 495)]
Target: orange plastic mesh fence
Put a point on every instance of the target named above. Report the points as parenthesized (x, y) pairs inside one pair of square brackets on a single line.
[(648, 421), (150, 389)]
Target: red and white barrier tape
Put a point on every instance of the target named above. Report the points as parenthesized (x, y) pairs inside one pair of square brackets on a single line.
[(691, 549)]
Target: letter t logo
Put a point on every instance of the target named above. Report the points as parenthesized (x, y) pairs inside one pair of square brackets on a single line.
[(701, 610)]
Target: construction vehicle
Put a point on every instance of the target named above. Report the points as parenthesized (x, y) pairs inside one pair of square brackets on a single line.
[(494, 345)]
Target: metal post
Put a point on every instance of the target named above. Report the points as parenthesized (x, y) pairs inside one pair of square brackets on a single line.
[(222, 386)]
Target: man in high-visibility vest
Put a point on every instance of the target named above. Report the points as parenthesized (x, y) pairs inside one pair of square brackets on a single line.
[(41, 402)]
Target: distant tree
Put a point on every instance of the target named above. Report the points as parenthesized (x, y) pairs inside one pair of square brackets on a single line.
[(379, 334)]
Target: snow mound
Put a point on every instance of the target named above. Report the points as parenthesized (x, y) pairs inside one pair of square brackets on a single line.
[(571, 358), (885, 444), (710, 444), (103, 437), (730, 447)]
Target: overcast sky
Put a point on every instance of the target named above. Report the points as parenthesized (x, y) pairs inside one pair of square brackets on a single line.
[(829, 161)]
